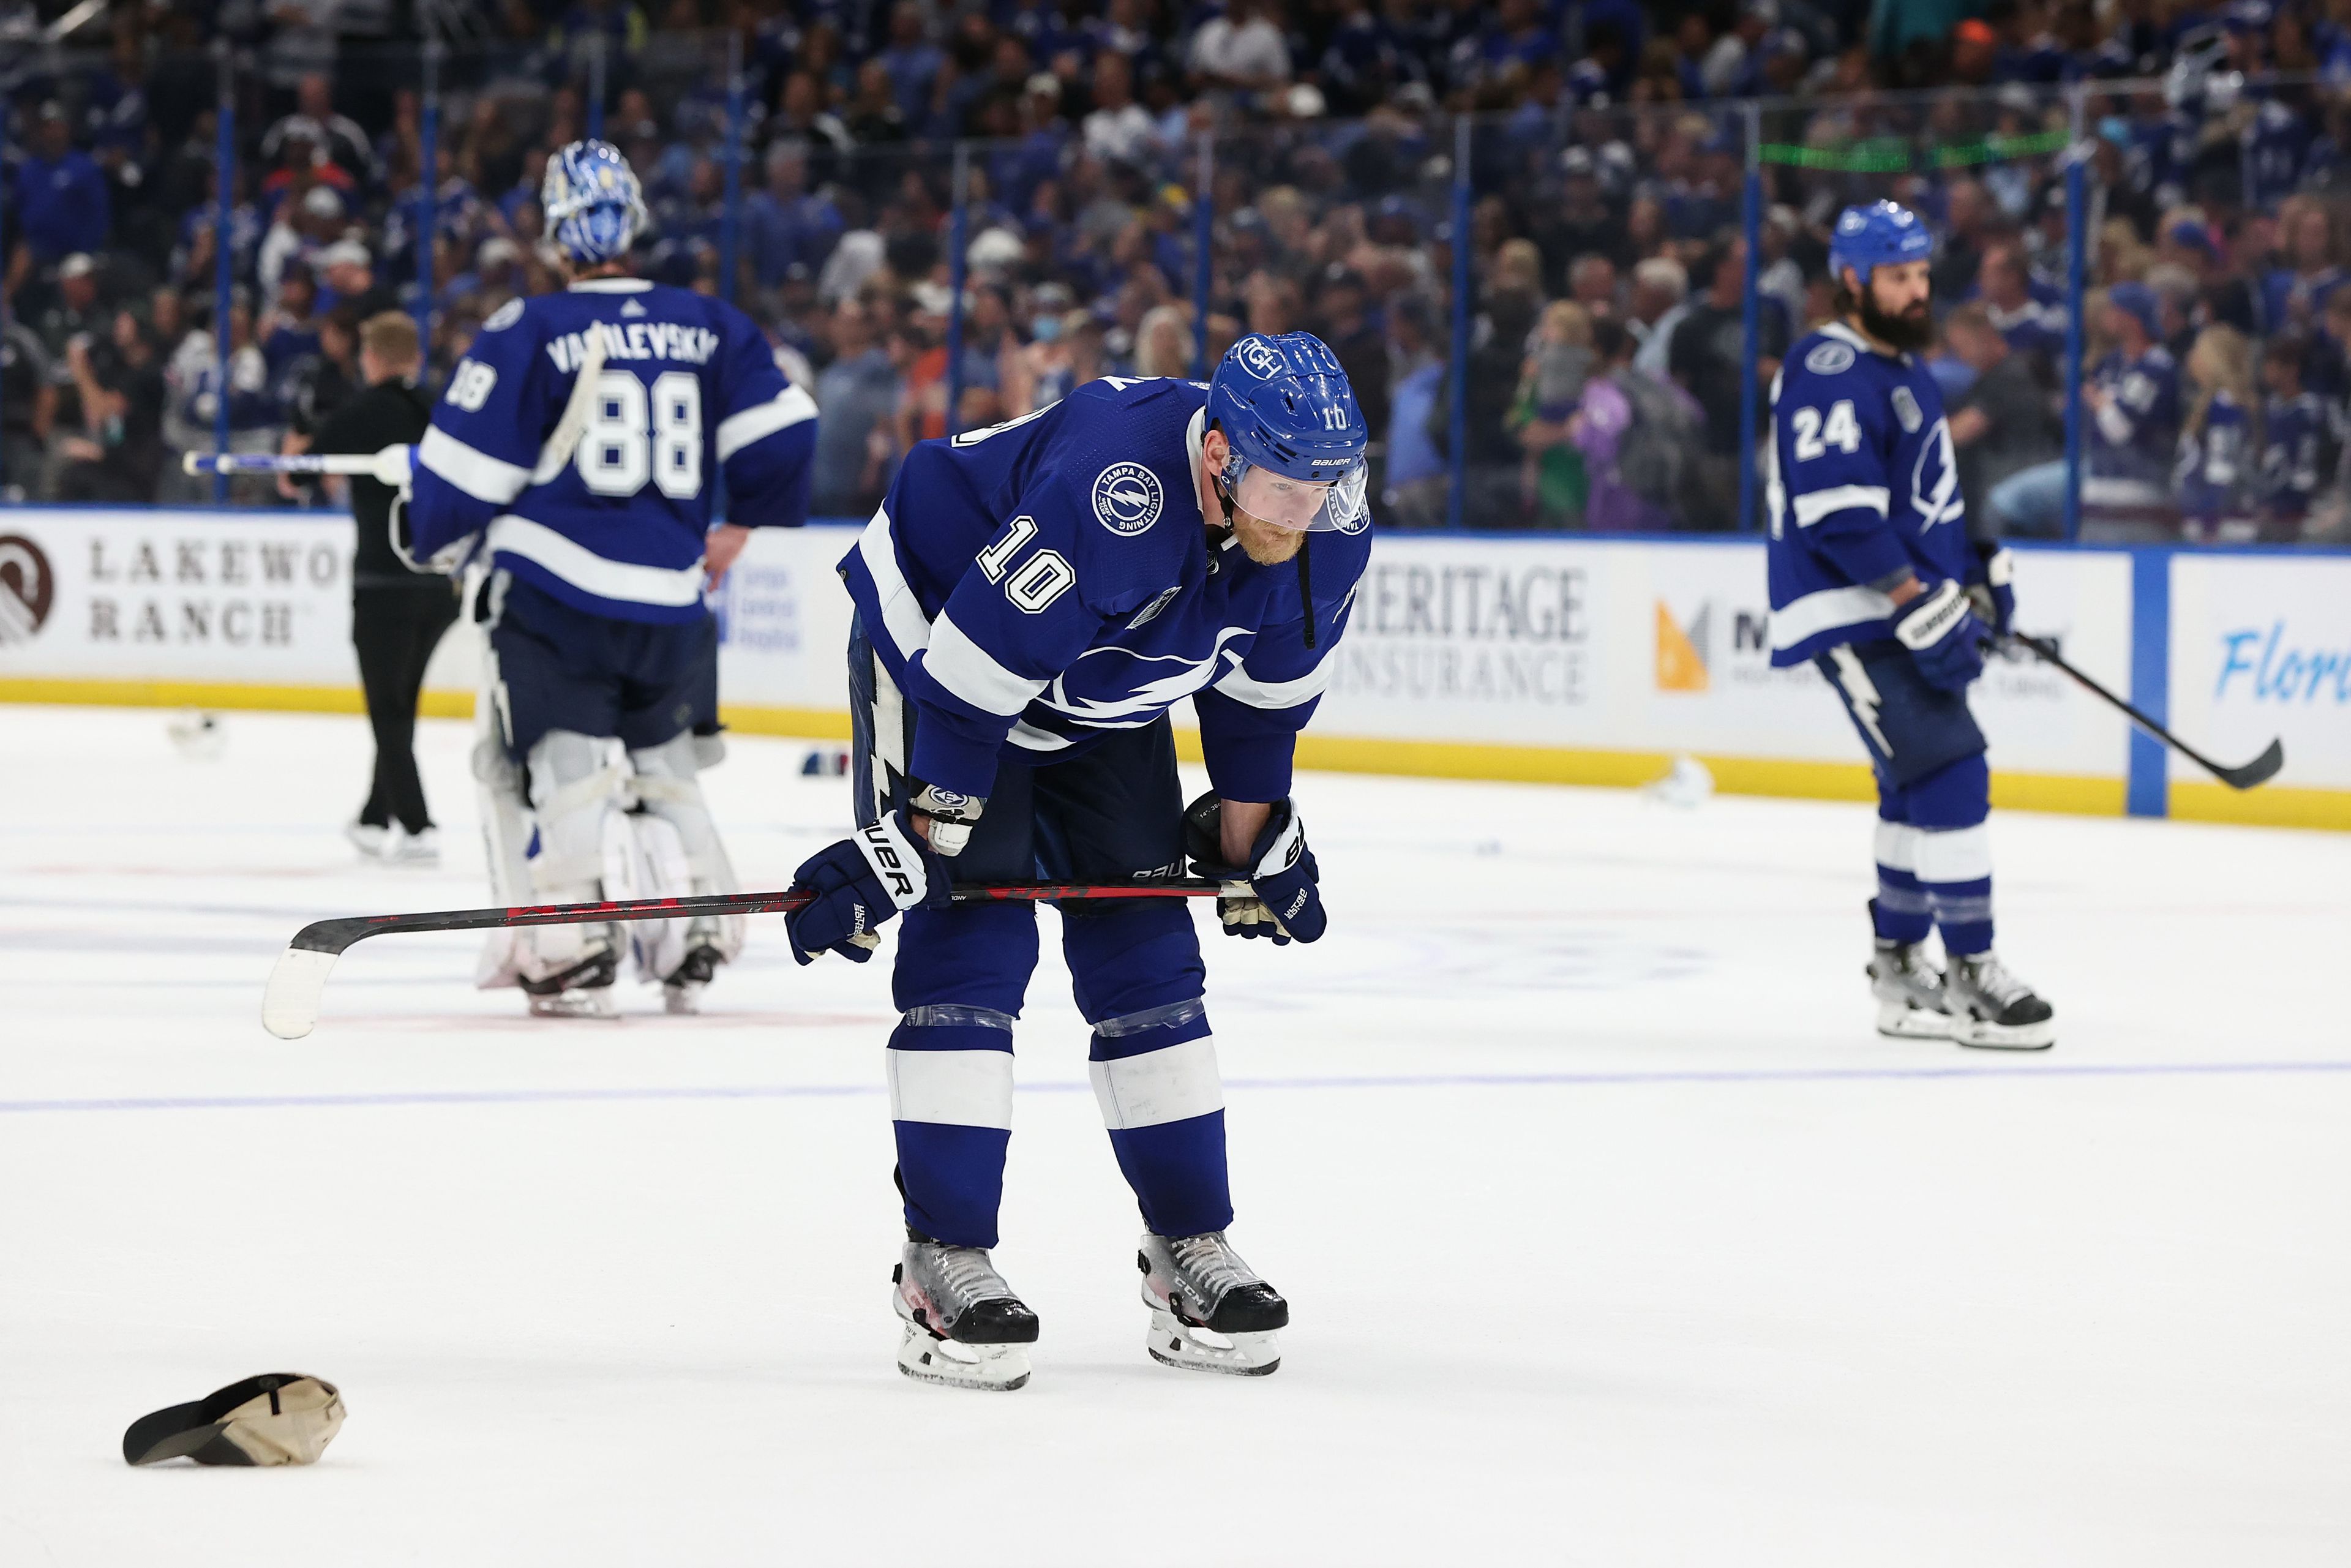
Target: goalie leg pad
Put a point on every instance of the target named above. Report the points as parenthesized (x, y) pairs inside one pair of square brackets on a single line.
[(575, 784), (666, 786)]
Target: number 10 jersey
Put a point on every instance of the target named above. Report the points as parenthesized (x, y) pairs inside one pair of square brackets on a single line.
[(689, 389)]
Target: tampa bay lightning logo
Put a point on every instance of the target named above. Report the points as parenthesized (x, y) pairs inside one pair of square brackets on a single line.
[(1259, 358), (1829, 359), (1128, 497), (1935, 480), (503, 317)]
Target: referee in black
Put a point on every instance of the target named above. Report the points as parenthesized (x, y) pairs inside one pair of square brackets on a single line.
[(397, 615)]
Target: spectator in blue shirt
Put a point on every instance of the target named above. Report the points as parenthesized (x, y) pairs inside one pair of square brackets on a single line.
[(783, 224), (61, 197), (912, 60)]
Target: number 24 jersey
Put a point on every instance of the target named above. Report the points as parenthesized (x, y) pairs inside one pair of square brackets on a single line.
[(1861, 484), (689, 389)]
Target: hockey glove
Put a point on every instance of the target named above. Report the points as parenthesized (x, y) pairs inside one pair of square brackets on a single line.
[(859, 884), (1991, 586), (1274, 895), (953, 816), (1943, 635)]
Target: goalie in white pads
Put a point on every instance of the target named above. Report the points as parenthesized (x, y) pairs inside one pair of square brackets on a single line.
[(576, 450)]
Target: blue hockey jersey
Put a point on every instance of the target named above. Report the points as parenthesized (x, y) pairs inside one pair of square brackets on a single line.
[(2135, 433), (2296, 434), (1036, 584), (689, 389), (2216, 462), (1862, 487)]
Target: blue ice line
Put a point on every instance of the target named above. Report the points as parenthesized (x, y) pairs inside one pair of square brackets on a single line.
[(1400, 1081)]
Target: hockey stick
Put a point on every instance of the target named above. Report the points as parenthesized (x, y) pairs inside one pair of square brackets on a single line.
[(289, 1008), (564, 439), (345, 463), (2259, 771)]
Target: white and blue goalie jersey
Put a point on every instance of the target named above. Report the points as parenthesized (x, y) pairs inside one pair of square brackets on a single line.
[(689, 389), (1862, 487), (1038, 583)]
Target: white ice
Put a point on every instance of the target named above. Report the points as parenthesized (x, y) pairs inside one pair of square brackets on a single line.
[(1613, 1233)]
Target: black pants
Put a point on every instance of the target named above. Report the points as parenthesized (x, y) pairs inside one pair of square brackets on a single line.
[(395, 630)]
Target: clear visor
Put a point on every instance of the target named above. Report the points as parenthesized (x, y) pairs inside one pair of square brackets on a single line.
[(1299, 505)]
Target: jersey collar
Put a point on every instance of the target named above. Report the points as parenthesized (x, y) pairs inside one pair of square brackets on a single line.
[(612, 286)]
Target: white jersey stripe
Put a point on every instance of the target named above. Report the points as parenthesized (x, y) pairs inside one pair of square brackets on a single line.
[(901, 613), (479, 475), (1826, 609), (787, 408), (583, 567), (1811, 508), (972, 672), (1238, 685)]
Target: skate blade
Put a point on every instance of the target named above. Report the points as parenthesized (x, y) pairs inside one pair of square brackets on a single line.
[(591, 1004), (1900, 1021), (2006, 1037), (953, 1364), (682, 1001), (1176, 1343)]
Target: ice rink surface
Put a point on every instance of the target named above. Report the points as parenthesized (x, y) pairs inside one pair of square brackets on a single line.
[(1613, 1234)]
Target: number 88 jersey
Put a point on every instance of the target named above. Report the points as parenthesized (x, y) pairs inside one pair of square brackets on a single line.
[(688, 390), (1861, 485)]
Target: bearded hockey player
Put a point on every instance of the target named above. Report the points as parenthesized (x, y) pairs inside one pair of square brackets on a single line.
[(1874, 581), (1031, 599), (576, 450)]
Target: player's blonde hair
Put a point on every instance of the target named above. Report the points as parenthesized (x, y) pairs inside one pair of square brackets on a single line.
[(2221, 361)]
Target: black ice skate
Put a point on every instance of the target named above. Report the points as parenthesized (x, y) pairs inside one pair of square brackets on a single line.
[(581, 991), (1992, 1008), (1909, 992), (1210, 1311), (681, 989), (965, 1327)]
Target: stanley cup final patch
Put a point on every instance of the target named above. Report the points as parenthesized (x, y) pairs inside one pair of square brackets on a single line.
[(1128, 497)]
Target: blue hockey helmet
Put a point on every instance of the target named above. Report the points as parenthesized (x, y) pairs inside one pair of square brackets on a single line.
[(1297, 435), (592, 203), (1883, 234)]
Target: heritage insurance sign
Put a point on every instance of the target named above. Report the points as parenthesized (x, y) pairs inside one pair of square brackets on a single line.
[(187, 596)]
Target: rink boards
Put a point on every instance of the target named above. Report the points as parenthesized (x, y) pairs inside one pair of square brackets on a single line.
[(1574, 660)]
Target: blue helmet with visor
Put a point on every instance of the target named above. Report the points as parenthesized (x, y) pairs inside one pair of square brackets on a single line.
[(1298, 436)]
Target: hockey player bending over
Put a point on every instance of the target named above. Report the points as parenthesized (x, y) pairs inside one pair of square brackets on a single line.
[(1031, 599), (580, 440), (1874, 580)]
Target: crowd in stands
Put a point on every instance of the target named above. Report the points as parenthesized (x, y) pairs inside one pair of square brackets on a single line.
[(1602, 384)]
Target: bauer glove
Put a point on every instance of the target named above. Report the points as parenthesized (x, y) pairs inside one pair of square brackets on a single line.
[(1274, 894), (858, 885), (1991, 586), (1943, 635)]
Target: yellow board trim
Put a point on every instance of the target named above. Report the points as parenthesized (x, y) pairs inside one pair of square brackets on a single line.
[(2270, 805)]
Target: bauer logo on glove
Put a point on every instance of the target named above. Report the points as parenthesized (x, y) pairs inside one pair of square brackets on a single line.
[(861, 884), (1275, 894)]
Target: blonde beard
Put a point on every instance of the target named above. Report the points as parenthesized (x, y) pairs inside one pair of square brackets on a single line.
[(1263, 542)]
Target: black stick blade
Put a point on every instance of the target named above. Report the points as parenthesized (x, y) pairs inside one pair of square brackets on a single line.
[(2259, 770)]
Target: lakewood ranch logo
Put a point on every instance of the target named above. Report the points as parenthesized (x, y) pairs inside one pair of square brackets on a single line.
[(2266, 665), (1691, 654), (28, 588), (204, 589)]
